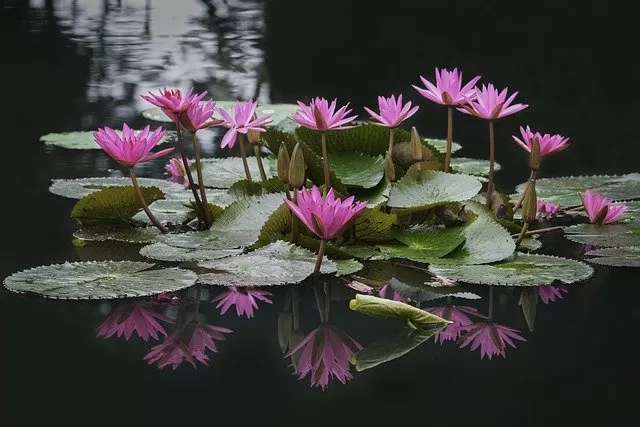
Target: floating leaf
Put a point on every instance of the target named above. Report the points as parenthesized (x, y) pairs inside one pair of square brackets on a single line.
[(418, 291), (388, 309), (441, 145), (244, 188), (373, 196), (390, 348), (119, 233), (107, 250), (78, 188), (113, 204), (618, 257), (530, 243), (99, 280), (217, 197), (565, 190), (469, 166), (163, 252), (278, 263), (84, 140), (374, 225), (347, 266), (167, 212), (276, 227), (224, 171), (622, 234), (423, 243), (520, 269), (432, 188), (356, 169)]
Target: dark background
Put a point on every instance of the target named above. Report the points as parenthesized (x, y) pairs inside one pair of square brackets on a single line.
[(573, 63)]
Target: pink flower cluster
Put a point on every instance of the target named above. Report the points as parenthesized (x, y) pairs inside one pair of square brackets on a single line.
[(600, 210)]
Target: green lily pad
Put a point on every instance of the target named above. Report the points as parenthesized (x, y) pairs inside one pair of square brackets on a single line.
[(374, 225), (83, 140), (421, 292), (167, 212), (520, 269), (623, 234), (478, 167), (347, 266), (356, 169), (424, 243), (628, 256), (99, 280), (163, 252), (217, 197), (223, 172), (565, 190), (530, 244), (373, 196), (441, 145), (388, 309), (103, 232), (113, 203), (390, 348), (278, 263), (432, 188), (78, 188)]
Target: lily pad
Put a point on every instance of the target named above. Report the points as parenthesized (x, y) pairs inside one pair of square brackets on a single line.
[(520, 269), (113, 204), (422, 292), (83, 140), (356, 169), (432, 188), (618, 257), (127, 233), (373, 196), (78, 188), (163, 252), (478, 167), (441, 145), (623, 234), (223, 172), (99, 280), (388, 309), (424, 243), (374, 225), (278, 263), (347, 266), (167, 212)]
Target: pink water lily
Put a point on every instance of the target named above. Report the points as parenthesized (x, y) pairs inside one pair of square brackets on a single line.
[(326, 217), (546, 209), (176, 171), (130, 148), (550, 293), (491, 338), (458, 316), (199, 116), (241, 118), (490, 104), (448, 89), (172, 103), (133, 317), (600, 210), (326, 353), (392, 111), (200, 337), (245, 300), (548, 143), (322, 116), (386, 291)]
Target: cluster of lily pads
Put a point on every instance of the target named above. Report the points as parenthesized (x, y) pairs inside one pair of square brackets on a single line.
[(336, 197)]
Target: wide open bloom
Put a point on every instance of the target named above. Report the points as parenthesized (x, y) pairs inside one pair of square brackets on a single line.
[(322, 116), (243, 298), (326, 353), (600, 209), (176, 171), (133, 317), (550, 293), (199, 116), (392, 112), (327, 218), (448, 89), (130, 149), (491, 338), (172, 103), (241, 118), (490, 104), (457, 315), (548, 143), (546, 209)]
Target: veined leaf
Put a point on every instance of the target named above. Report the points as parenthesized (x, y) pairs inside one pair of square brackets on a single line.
[(388, 309), (113, 204), (432, 188)]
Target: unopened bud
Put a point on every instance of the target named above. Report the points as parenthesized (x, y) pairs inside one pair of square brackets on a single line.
[(530, 203), (534, 157), (254, 137), (389, 168), (416, 145), (296, 167), (285, 327), (283, 164)]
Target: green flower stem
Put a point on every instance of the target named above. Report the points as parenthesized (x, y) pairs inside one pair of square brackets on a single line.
[(294, 220), (447, 158), (150, 214), (187, 169), (492, 161), (203, 194), (540, 231), (532, 177), (391, 132), (323, 244), (256, 150), (523, 233), (318, 295), (243, 154), (325, 164)]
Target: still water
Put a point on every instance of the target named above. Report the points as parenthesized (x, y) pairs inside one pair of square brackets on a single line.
[(76, 65)]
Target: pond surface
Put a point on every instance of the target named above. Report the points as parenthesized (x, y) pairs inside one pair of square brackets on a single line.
[(76, 65)]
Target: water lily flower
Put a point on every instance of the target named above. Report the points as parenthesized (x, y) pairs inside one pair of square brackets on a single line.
[(491, 338), (240, 119), (550, 293), (386, 291), (243, 298), (490, 104), (548, 143), (176, 171), (600, 209), (172, 103), (322, 116), (546, 209), (326, 217), (130, 148), (392, 111), (448, 89), (133, 317), (201, 336), (326, 352), (199, 116), (457, 315)]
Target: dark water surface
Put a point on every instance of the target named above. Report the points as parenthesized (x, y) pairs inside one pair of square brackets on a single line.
[(76, 65)]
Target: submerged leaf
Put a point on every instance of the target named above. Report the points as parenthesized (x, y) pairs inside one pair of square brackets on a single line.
[(113, 203), (432, 188), (388, 309), (78, 188), (617, 257)]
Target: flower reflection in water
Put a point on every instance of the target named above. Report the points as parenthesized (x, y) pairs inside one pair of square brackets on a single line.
[(386, 291), (457, 315), (243, 298), (550, 293), (133, 317)]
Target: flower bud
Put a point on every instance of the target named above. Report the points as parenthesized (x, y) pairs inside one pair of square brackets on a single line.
[(416, 145), (534, 157), (389, 168), (296, 167), (285, 327), (296, 337), (254, 137), (530, 203), (283, 164)]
